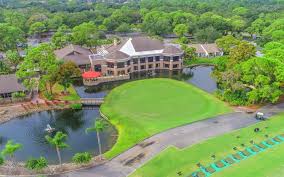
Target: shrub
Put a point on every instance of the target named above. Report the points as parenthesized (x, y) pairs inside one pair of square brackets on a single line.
[(76, 106), (1, 160), (48, 96), (18, 95), (80, 158), (36, 164)]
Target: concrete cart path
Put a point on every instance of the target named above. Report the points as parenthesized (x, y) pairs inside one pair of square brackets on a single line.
[(184, 136)]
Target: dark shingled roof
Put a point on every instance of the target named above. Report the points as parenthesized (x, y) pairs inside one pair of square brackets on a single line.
[(170, 49), (146, 44), (74, 53), (116, 55), (9, 84)]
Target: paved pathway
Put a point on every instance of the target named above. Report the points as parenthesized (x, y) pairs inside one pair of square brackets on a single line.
[(183, 136)]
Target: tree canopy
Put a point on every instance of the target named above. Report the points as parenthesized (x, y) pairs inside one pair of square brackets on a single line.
[(85, 34), (40, 65)]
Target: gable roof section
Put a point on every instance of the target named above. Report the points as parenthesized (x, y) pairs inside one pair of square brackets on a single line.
[(77, 54), (117, 55), (9, 84), (205, 48), (70, 49), (211, 48), (142, 46), (198, 48), (109, 48), (170, 49)]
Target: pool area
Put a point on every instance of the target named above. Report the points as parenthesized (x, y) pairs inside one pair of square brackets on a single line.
[(30, 132)]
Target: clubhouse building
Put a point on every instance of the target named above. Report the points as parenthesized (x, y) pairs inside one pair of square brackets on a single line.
[(118, 60)]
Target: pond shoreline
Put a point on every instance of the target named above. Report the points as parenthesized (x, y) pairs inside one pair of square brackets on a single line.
[(197, 65), (15, 111), (20, 170)]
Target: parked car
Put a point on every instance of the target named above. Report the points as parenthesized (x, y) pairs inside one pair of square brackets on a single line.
[(260, 116)]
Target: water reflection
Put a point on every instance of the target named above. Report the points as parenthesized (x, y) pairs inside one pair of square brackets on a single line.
[(30, 131), (199, 76)]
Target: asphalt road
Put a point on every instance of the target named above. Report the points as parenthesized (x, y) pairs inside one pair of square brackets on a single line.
[(184, 136)]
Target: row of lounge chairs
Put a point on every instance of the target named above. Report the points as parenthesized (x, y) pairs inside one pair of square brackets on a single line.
[(238, 156)]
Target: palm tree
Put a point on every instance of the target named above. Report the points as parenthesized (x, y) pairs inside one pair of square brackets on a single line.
[(58, 141), (10, 149), (98, 126)]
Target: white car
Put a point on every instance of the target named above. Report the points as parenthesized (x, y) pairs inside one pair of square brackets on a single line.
[(260, 116)]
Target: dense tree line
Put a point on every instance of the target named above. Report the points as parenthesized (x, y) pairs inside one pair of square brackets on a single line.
[(156, 17), (85, 23), (245, 78)]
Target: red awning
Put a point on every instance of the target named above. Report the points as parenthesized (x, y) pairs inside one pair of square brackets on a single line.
[(91, 74)]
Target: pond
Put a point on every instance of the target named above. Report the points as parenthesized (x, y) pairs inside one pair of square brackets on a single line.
[(199, 76), (30, 132)]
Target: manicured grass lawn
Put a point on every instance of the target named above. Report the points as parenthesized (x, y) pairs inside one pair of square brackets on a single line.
[(142, 108), (72, 96), (172, 160), (266, 164)]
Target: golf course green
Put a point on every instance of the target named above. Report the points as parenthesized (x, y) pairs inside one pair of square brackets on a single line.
[(143, 108), (268, 163)]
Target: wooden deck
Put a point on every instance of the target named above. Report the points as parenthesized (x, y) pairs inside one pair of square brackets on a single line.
[(104, 79)]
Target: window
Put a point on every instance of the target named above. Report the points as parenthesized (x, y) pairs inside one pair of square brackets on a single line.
[(150, 59), (175, 66), (128, 62), (121, 72), (150, 66), (167, 65), (176, 58), (98, 68), (110, 72), (142, 60), (135, 61), (110, 65), (135, 68), (157, 58), (157, 65), (167, 58), (142, 67), (120, 65)]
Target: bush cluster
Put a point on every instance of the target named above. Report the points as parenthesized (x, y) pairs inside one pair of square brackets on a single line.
[(18, 95), (36, 164), (76, 106), (80, 158)]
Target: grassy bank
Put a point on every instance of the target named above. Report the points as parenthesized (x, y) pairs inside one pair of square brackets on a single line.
[(70, 96), (173, 160), (142, 108), (201, 61)]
